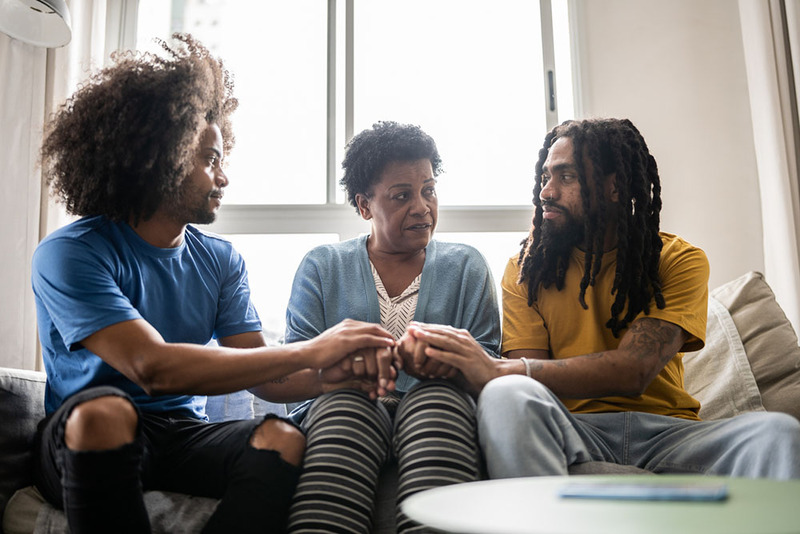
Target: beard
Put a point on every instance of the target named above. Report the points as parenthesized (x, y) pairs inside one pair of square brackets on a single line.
[(191, 206), (550, 255), (561, 238)]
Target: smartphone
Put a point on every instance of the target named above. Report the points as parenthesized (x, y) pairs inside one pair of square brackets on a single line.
[(645, 491)]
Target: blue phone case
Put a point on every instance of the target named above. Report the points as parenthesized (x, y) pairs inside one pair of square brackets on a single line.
[(645, 491)]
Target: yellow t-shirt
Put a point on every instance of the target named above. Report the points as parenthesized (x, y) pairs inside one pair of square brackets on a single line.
[(558, 323)]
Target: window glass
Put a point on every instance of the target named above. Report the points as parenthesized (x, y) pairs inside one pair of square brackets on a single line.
[(272, 260), (277, 53), (470, 74), (496, 247), (563, 61)]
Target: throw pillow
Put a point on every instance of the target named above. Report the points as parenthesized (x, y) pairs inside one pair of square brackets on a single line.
[(768, 338), (719, 374)]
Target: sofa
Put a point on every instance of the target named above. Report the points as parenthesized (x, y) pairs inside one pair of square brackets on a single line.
[(751, 362)]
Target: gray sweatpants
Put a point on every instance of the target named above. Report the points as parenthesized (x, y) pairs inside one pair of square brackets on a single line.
[(525, 430)]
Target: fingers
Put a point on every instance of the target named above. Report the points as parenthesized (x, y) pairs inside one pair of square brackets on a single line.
[(367, 328), (452, 359), (452, 373), (418, 353), (367, 366), (358, 364), (433, 368), (344, 339), (383, 361), (445, 337), (397, 359), (370, 362)]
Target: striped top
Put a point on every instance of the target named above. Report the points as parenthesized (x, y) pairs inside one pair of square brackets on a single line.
[(396, 312)]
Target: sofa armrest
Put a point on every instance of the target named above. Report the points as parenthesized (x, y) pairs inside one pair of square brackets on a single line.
[(21, 409)]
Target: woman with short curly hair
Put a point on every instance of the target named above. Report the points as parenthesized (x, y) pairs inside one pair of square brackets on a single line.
[(393, 276)]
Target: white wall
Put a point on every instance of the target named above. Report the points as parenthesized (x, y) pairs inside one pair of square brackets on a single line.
[(676, 69)]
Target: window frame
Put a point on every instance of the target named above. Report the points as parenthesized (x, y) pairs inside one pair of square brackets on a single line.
[(336, 217)]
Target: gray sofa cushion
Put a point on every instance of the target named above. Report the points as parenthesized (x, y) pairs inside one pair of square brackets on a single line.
[(18, 418), (170, 513)]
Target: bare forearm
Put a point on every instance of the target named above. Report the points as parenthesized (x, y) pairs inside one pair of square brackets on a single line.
[(589, 376), (628, 370), (295, 387), (196, 369), (138, 351)]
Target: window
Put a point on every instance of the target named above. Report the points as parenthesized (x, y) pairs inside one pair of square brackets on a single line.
[(477, 76)]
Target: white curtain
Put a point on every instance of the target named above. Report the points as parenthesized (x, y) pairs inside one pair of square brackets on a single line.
[(35, 82), (67, 67), (770, 33), (22, 109)]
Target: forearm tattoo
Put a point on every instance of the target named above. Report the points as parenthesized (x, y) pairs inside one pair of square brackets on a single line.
[(649, 337)]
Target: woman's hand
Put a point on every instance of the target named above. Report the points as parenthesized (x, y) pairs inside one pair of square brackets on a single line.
[(372, 371), (457, 348), (416, 363)]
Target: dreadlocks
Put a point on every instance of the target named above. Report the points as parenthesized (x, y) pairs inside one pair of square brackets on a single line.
[(613, 146)]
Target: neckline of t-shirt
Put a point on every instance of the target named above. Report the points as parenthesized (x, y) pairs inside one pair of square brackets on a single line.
[(139, 243)]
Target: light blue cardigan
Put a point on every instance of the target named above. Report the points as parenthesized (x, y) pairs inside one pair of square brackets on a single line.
[(334, 282)]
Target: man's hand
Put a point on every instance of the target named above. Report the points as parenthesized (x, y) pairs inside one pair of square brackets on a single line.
[(458, 349), (343, 339), (416, 363)]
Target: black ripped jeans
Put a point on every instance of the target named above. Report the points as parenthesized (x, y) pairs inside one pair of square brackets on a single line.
[(103, 491)]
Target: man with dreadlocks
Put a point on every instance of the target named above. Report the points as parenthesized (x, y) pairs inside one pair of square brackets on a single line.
[(129, 295), (597, 307)]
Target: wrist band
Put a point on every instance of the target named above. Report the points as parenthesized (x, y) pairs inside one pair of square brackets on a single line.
[(527, 363)]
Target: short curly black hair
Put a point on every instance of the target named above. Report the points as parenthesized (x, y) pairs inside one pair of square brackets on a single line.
[(126, 139), (368, 153)]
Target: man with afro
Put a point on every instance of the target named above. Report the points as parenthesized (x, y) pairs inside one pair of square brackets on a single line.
[(129, 296)]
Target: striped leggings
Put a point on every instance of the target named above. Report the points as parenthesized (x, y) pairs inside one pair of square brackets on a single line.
[(349, 438)]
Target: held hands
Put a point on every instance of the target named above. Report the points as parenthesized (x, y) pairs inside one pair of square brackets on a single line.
[(362, 370), (363, 356), (416, 363), (344, 339), (456, 348), (333, 352)]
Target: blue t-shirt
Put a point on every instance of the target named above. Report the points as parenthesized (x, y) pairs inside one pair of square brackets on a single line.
[(94, 273)]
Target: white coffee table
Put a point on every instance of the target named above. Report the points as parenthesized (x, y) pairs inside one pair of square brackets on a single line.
[(532, 506)]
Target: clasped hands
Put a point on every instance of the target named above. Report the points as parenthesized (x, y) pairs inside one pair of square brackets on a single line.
[(424, 351)]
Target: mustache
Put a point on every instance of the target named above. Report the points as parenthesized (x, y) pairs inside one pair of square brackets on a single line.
[(553, 205)]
